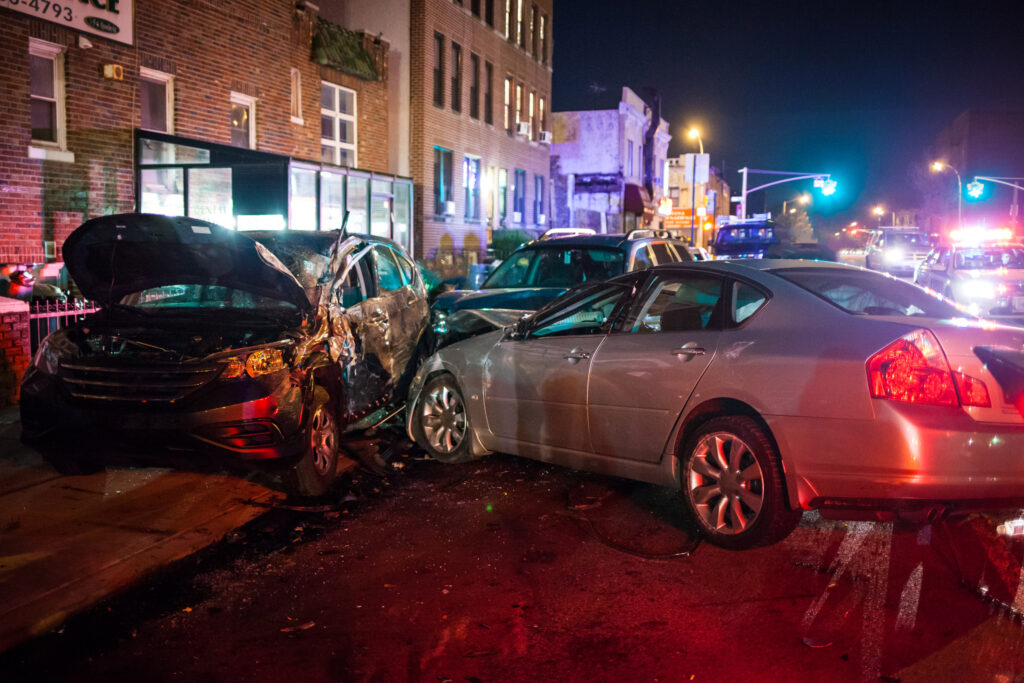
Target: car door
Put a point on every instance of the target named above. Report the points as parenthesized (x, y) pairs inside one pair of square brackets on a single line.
[(646, 369), (535, 387), (405, 308)]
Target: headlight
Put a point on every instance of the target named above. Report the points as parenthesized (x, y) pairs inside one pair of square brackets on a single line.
[(893, 255), (440, 322), (46, 359), (260, 362), (978, 289)]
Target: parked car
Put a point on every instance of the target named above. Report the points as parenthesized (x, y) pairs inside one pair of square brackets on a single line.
[(987, 278), (540, 270), (760, 388), (256, 349), (896, 250)]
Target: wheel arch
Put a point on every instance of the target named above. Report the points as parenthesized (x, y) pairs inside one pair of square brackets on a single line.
[(724, 406), (476, 446)]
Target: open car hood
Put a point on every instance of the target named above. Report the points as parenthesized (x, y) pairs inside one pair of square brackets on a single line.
[(112, 256)]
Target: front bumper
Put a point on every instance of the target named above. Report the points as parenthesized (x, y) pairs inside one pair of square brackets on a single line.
[(908, 456), (259, 425)]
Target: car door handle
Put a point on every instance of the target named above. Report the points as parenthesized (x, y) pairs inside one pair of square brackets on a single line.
[(689, 351), (576, 355)]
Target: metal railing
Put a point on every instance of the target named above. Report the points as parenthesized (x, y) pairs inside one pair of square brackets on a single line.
[(45, 317)]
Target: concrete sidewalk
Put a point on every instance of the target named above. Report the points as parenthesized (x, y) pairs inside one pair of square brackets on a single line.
[(67, 543)]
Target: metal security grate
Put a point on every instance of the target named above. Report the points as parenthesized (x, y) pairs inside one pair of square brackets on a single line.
[(101, 381)]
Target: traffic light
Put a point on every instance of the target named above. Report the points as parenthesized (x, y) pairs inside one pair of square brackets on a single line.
[(975, 189)]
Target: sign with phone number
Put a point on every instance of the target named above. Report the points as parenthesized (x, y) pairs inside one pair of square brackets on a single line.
[(107, 18)]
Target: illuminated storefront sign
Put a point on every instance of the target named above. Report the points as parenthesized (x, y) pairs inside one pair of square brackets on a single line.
[(107, 18)]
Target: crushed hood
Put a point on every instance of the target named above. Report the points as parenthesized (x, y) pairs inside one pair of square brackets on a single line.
[(112, 256), (520, 298)]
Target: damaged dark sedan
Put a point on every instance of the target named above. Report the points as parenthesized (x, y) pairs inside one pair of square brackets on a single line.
[(257, 350)]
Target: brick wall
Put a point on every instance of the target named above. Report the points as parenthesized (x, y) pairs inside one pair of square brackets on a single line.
[(441, 240), (14, 348), (211, 49)]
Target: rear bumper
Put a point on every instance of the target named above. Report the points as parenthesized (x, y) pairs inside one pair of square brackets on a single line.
[(263, 430), (908, 457)]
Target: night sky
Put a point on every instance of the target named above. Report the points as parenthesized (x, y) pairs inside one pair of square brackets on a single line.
[(859, 90)]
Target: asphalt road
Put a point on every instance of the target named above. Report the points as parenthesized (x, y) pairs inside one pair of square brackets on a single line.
[(508, 570)]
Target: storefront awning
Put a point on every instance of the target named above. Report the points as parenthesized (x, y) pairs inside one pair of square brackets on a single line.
[(636, 200)]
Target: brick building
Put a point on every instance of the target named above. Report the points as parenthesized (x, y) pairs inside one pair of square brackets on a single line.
[(480, 84), (252, 113)]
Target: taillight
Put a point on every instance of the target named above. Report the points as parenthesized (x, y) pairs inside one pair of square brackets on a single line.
[(914, 369)]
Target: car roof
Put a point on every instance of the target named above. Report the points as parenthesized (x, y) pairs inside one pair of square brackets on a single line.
[(607, 241)]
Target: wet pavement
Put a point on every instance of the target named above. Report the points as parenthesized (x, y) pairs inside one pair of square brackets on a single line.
[(504, 570)]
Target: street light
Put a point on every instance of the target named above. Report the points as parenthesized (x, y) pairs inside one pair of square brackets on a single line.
[(804, 199), (694, 134), (938, 167)]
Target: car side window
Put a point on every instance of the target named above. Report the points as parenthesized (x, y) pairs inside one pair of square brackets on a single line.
[(680, 303), (406, 267), (746, 301), (661, 254), (389, 277), (354, 286), (642, 258), (590, 311), (943, 259)]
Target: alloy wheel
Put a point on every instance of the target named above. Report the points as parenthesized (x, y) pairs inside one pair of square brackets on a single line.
[(725, 483), (323, 440), (443, 418)]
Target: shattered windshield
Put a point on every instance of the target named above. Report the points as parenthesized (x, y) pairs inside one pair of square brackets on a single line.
[(203, 297), (556, 267), (867, 293)]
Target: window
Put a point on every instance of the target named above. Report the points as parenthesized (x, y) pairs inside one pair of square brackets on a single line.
[(502, 194), (543, 39), (156, 92), (358, 196), (519, 195), (532, 118), (508, 104), (474, 7), (488, 108), (301, 199), (520, 35), (686, 303), (489, 12), (533, 30), (471, 186), (519, 103), (867, 293), (338, 125), (474, 86), (551, 265), (389, 276), (296, 96), (46, 92), (629, 157), (243, 120), (456, 77), (746, 301), (442, 179), (543, 114), (508, 18), (332, 200), (590, 311), (538, 200), (438, 70)]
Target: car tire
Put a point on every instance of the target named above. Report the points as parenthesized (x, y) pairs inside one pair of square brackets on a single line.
[(748, 506), (441, 421), (317, 471)]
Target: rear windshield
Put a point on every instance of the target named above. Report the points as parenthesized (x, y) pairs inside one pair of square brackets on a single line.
[(556, 267), (869, 293)]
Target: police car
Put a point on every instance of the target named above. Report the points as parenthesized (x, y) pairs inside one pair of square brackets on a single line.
[(983, 270)]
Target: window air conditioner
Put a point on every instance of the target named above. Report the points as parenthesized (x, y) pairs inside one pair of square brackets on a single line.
[(517, 217), (449, 208), (545, 136), (523, 128)]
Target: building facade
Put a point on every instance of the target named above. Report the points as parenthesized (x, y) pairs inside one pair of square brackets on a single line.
[(603, 179), (480, 95), (250, 113), (697, 208)]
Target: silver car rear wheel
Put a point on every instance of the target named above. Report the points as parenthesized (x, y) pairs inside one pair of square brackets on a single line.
[(732, 481), (441, 421)]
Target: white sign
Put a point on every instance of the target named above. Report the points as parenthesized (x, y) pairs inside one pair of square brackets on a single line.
[(107, 18), (694, 164)]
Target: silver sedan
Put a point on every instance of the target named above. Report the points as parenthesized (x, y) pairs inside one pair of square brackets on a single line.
[(759, 388)]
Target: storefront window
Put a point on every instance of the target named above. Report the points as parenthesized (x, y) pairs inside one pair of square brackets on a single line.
[(163, 191), (209, 195), (332, 200), (380, 208), (403, 214), (358, 201), (159, 152), (302, 199)]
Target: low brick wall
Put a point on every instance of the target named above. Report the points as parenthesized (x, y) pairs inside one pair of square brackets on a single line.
[(14, 348)]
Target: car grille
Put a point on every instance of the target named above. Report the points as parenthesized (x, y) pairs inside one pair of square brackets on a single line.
[(139, 383)]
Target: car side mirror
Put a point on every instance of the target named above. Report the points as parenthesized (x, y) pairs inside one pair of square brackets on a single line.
[(520, 329)]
